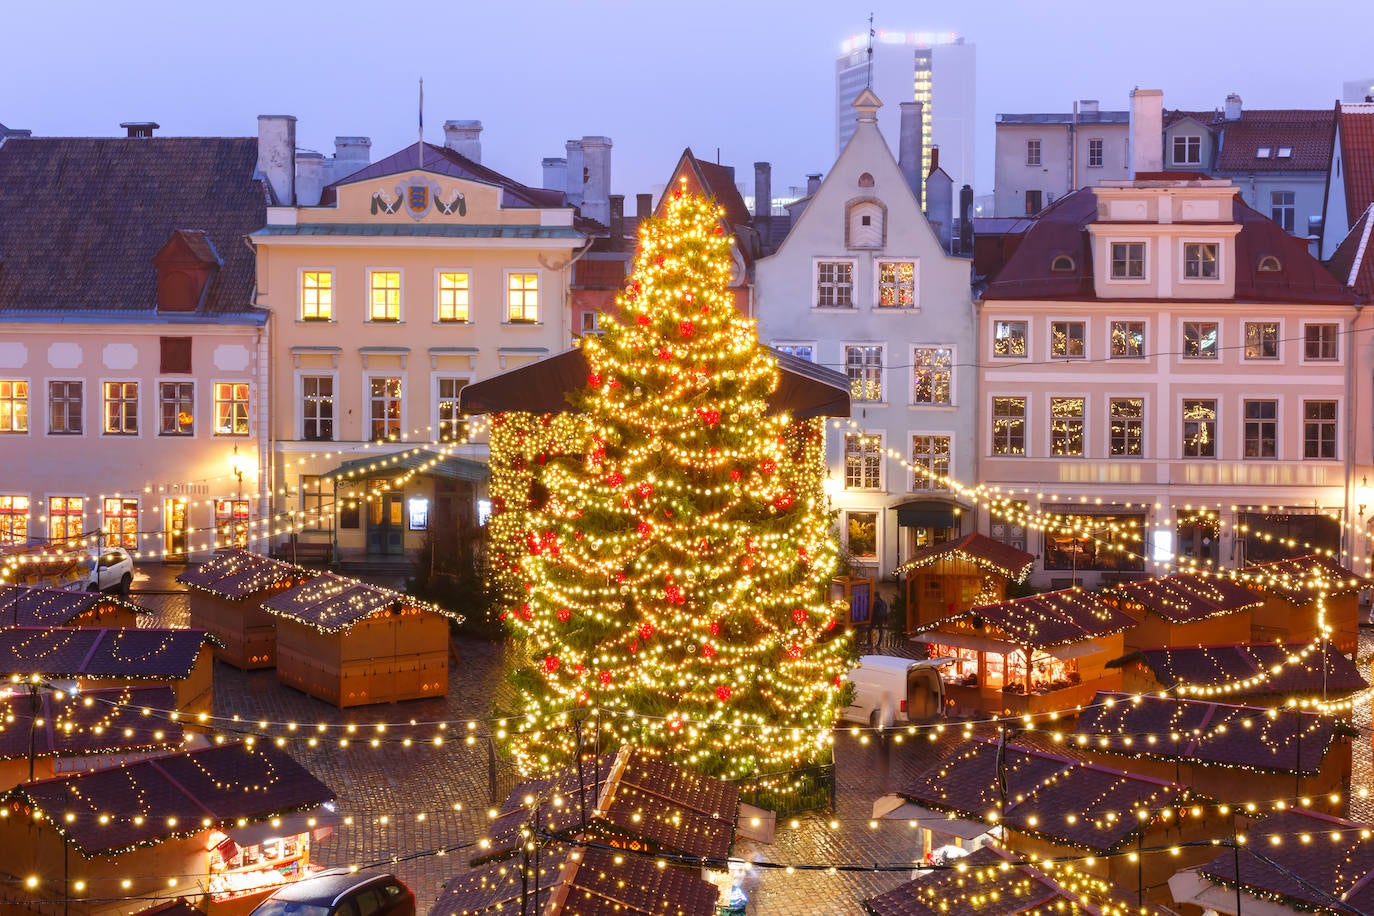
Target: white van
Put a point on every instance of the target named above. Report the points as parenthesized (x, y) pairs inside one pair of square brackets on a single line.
[(896, 691)]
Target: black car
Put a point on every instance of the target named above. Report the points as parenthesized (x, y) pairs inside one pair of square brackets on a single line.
[(339, 892)]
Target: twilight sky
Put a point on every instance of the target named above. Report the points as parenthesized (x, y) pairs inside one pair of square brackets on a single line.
[(752, 78)]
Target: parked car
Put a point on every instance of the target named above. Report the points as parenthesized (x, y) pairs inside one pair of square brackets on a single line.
[(105, 568), (896, 691), (340, 892)]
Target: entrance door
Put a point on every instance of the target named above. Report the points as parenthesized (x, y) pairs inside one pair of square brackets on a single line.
[(174, 516), (385, 524)]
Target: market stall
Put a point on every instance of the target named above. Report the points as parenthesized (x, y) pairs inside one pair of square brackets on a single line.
[(226, 599), (1302, 593), (947, 578), (1185, 609), (44, 606)]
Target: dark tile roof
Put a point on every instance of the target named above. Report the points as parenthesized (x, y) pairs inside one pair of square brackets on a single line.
[(1307, 133), (1299, 579), (980, 549), (100, 652), (985, 888), (1333, 874), (25, 606), (1216, 734), (109, 206), (222, 783), (1062, 229), (501, 887), (1045, 620), (1188, 597), (1352, 263), (965, 782), (236, 574), (92, 722), (334, 603), (177, 907), (1357, 155), (443, 161), (1323, 669)]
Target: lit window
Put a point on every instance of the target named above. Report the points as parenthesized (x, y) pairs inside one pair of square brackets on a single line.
[(522, 298), (317, 408), (931, 371), (385, 408), (1066, 427), (14, 406), (176, 403), (1127, 427), (930, 459), (1200, 339), (835, 284), (121, 523), (1261, 429), (454, 293), (1128, 339), (1261, 340), (1128, 260), (863, 461), (1319, 341), (317, 295), (864, 365), (66, 517), (1095, 153), (121, 408), (1032, 152), (14, 520), (1009, 338), (1009, 426), (1066, 339), (231, 408), (65, 408), (1200, 261), (453, 425), (384, 295), (861, 535), (1319, 429), (896, 284), (231, 522), (1199, 428)]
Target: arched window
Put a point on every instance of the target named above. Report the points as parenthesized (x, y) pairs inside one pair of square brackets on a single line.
[(866, 180), (1270, 264), (1062, 263)]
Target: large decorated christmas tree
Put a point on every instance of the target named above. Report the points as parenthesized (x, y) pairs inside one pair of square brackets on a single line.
[(676, 544)]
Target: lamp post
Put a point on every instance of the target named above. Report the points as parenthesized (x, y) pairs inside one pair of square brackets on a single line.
[(237, 463), (1364, 498)]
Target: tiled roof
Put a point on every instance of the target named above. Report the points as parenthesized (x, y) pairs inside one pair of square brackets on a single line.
[(1333, 873), (1186, 597), (1045, 620), (1352, 263), (1305, 133), (236, 574), (443, 161), (1323, 670), (25, 606), (1217, 734), (1357, 155), (995, 882), (1299, 579), (334, 603), (1010, 561), (109, 206), (503, 887), (92, 722), (108, 652), (222, 783)]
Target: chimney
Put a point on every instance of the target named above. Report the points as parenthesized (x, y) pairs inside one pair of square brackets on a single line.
[(1146, 138), (909, 145), (351, 154), (1232, 107), (277, 156), (596, 189), (966, 218), (939, 199), (644, 206), (555, 173), (1088, 107), (577, 175), (763, 191), (464, 138), (309, 178), (813, 183), (139, 129), (617, 221)]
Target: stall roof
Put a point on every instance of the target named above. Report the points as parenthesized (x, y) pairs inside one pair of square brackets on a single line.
[(1189, 597), (1299, 579), (1042, 621), (978, 549), (30, 606), (235, 574), (334, 603), (103, 721), (418, 460), (123, 652), (1323, 669), (1212, 734), (804, 388), (151, 800)]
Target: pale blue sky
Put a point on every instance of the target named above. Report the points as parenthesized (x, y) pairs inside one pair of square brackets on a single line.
[(754, 78)]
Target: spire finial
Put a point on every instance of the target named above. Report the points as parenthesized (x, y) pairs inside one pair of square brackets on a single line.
[(870, 50)]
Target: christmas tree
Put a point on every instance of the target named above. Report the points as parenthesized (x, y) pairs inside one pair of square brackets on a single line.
[(677, 548)]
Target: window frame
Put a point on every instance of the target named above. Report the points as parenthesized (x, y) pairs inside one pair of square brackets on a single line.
[(1328, 441), (1264, 341), (1192, 149), (302, 420), (868, 458), (947, 371), (1113, 352), (80, 406), (995, 337), (849, 517), (1322, 343), (1202, 354), (1012, 438), (301, 288), (790, 347), (817, 268), (461, 427), (373, 289), (16, 521), (507, 302), (1096, 152), (879, 284), (932, 460), (465, 293), (1118, 445), (315, 500), (1200, 449), (371, 419), (215, 385), (867, 370), (176, 432), (126, 539), (1199, 247), (15, 402), (1068, 326), (1034, 152), (64, 515), (1265, 428), (1126, 261), (135, 400), (1054, 434), (1284, 212)]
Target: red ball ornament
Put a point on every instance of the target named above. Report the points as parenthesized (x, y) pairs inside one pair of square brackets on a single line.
[(708, 416), (614, 479), (665, 353), (564, 614), (715, 628), (735, 474), (594, 379), (550, 664), (720, 230), (674, 595), (794, 651), (708, 650), (799, 615), (642, 319), (674, 725), (645, 490), (605, 677), (685, 328), (723, 693), (783, 501), (767, 466), (644, 529), (677, 192), (646, 630)]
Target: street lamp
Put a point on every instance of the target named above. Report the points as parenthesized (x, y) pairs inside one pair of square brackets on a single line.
[(237, 463), (1364, 495)]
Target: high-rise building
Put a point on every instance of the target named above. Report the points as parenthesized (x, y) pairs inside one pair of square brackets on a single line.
[(933, 68), (1357, 90)]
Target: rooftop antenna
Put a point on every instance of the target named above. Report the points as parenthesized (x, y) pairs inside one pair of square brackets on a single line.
[(420, 146), (870, 50)]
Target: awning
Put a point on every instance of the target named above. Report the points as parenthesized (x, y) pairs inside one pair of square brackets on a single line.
[(927, 513), (422, 461), (804, 388), (896, 808), (1002, 647), (259, 832)]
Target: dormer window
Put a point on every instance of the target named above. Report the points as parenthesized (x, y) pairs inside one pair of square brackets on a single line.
[(1263, 152), (1269, 264), (1062, 263), (1187, 150)]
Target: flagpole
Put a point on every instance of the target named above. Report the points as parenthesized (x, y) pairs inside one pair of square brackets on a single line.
[(420, 147)]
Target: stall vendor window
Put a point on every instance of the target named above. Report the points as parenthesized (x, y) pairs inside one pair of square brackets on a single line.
[(1107, 542)]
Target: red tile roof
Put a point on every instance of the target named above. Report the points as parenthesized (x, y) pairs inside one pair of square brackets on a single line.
[(1352, 263), (1011, 562), (1357, 155), (1306, 133), (1043, 621), (1186, 597)]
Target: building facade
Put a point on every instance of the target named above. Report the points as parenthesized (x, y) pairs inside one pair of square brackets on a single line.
[(1040, 157)]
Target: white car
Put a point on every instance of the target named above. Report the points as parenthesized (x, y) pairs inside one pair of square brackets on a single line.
[(105, 569)]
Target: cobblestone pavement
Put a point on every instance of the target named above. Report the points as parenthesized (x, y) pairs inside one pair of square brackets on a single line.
[(405, 803)]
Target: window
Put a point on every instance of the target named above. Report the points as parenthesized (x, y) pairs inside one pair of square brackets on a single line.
[(1095, 153), (384, 295), (1127, 416), (1285, 152), (231, 522), (454, 296), (14, 520), (1128, 340), (1109, 543), (931, 369), (66, 518), (863, 461), (121, 408), (176, 408), (1282, 208), (1066, 339), (1066, 427), (64, 408), (314, 515), (522, 298), (452, 424), (896, 284), (1062, 263), (121, 523), (1200, 261), (1009, 426), (1128, 260), (1187, 150), (14, 406), (1269, 264), (861, 535), (384, 396), (800, 351), (317, 295), (1262, 152), (1199, 428), (1035, 201), (1032, 152), (1008, 524), (1319, 341), (1261, 340), (864, 365), (1009, 338), (231, 408), (1261, 429), (1200, 340), (1319, 429), (317, 408), (930, 462), (175, 354), (835, 284)]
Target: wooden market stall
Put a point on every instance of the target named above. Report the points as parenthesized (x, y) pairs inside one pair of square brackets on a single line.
[(350, 643), (1268, 674), (42, 606), (1037, 654), (1185, 609), (1297, 592), (226, 599), (948, 578)]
